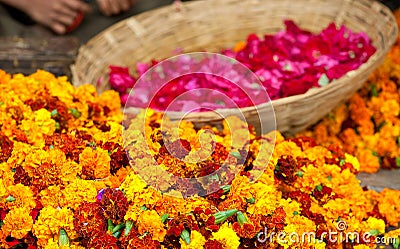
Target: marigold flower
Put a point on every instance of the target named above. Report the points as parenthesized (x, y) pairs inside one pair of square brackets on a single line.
[(17, 222), (95, 163), (20, 196), (196, 241), (77, 192), (227, 237), (149, 221), (89, 219), (114, 204), (49, 223)]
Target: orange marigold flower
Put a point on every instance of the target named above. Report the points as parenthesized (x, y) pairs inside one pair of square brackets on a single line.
[(49, 223), (20, 196), (95, 163), (17, 223), (149, 221), (78, 192)]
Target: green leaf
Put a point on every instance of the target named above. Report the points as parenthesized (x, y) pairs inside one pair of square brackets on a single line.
[(398, 161), (222, 216), (342, 162), (117, 234), (164, 217), (329, 178), (241, 218), (251, 200), (299, 173), (374, 232), (396, 243), (128, 227), (63, 239), (374, 91), (226, 188), (319, 187), (185, 235), (54, 113), (10, 199), (118, 227), (323, 80), (295, 213), (110, 225), (236, 154), (75, 113)]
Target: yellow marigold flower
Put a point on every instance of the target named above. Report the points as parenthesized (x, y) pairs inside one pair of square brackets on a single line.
[(17, 222), (291, 207), (368, 162), (62, 89), (287, 148), (114, 135), (3, 190), (392, 236), (41, 124), (317, 154), (95, 162), (21, 196), (266, 199), (197, 241), (86, 93), (51, 196), (353, 160), (390, 108), (6, 175), (240, 190), (19, 153), (77, 192), (51, 244), (375, 226), (149, 221), (227, 236), (4, 77), (50, 221), (389, 206), (132, 185)]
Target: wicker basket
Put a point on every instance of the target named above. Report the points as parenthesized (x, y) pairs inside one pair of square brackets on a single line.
[(217, 24)]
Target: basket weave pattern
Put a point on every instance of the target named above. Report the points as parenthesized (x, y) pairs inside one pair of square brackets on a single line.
[(218, 24)]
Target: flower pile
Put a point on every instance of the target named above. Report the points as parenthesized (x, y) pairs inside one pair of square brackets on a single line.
[(368, 125), (288, 63), (66, 181)]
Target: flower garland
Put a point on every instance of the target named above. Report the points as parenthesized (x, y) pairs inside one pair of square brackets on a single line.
[(368, 125), (66, 181)]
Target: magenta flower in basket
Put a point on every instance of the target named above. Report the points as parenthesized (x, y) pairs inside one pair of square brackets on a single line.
[(287, 63)]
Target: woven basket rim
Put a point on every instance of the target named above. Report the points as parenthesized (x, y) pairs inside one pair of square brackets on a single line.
[(383, 43)]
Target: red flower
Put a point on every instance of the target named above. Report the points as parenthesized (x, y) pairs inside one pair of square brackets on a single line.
[(114, 204), (6, 147), (213, 244), (102, 240), (89, 219)]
